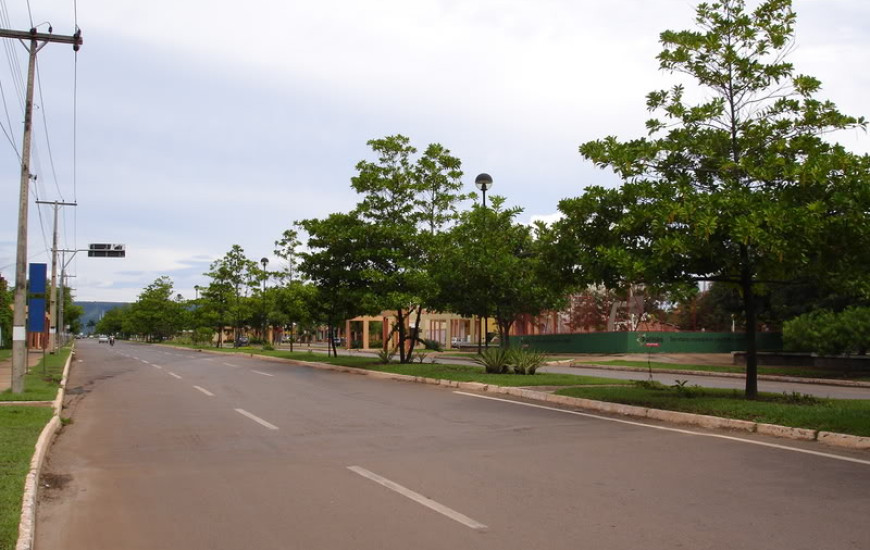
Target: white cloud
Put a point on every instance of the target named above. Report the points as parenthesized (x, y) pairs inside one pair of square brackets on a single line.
[(205, 124)]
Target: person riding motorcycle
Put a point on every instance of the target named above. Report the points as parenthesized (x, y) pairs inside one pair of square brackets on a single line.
[(111, 340)]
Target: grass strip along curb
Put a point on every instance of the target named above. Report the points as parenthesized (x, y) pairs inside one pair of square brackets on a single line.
[(31, 430), (520, 388), (725, 372)]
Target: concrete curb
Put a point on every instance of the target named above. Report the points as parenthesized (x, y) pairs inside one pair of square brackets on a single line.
[(767, 377), (674, 417), (671, 417), (27, 524)]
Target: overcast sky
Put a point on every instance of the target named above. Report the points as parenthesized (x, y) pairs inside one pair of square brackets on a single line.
[(203, 124)]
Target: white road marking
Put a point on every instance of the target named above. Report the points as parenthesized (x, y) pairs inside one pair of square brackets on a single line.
[(146, 362), (157, 367), (263, 373), (231, 365), (418, 498), (205, 391), (172, 374), (677, 430), (257, 419)]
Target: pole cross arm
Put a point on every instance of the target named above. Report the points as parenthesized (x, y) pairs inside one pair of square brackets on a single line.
[(75, 40)]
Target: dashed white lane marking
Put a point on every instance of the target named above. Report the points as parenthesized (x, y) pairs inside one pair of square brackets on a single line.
[(231, 365), (205, 391), (257, 419), (172, 374), (263, 373), (418, 498), (677, 430), (157, 367)]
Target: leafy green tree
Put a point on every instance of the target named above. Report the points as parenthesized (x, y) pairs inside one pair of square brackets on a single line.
[(490, 265), (741, 187), (404, 203), (232, 276), (156, 314), (6, 300), (72, 314), (336, 265), (112, 321)]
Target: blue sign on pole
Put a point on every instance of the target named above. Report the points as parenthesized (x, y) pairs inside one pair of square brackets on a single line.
[(37, 278), (36, 315)]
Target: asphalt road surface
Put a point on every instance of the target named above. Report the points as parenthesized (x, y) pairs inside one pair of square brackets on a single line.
[(172, 449)]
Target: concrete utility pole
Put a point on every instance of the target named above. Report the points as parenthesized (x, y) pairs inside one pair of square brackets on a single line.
[(19, 331), (53, 326)]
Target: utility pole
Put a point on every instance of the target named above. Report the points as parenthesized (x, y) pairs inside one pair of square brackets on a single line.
[(19, 331), (53, 326)]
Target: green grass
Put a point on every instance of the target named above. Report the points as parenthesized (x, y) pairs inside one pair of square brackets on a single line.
[(460, 373), (834, 415), (804, 372), (20, 428), (5, 354), (43, 380), (469, 373)]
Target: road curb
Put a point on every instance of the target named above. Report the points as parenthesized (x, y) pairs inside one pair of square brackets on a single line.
[(672, 417), (27, 524), (766, 377)]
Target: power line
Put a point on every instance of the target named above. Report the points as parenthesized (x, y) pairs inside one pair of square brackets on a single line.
[(45, 125)]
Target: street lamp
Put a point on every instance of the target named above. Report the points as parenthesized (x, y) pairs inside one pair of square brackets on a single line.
[(265, 262), (484, 183)]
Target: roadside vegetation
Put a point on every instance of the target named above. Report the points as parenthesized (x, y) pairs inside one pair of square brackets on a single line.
[(20, 428), (793, 410), (800, 372), (43, 380)]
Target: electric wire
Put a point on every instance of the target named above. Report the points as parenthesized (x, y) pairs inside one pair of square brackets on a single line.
[(45, 126)]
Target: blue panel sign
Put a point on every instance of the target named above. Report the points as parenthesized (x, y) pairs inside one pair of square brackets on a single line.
[(37, 278), (36, 315)]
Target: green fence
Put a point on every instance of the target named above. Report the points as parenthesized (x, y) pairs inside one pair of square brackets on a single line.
[(640, 342)]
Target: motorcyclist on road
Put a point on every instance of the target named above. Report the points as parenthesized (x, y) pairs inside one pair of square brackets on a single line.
[(111, 340)]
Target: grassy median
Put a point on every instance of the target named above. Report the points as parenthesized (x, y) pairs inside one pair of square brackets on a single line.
[(19, 429), (848, 416), (800, 372), (43, 380)]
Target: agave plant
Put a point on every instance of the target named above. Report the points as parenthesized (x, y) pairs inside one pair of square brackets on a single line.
[(494, 360), (526, 361)]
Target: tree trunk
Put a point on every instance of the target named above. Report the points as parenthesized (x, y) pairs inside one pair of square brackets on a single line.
[(400, 326), (751, 326)]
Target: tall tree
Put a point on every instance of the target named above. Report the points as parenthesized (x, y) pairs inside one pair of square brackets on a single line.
[(741, 187), (232, 276), (490, 265), (335, 263), (404, 202), (156, 313)]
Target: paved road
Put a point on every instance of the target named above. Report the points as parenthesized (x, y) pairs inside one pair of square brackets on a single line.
[(172, 449)]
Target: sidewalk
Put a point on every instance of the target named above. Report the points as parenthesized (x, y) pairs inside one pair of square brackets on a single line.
[(33, 359)]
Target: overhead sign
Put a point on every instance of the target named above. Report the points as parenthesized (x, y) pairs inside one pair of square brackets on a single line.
[(106, 250)]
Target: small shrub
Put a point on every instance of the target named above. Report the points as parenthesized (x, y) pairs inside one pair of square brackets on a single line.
[(385, 357), (649, 384), (419, 357), (268, 347), (494, 360), (433, 345), (526, 361)]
